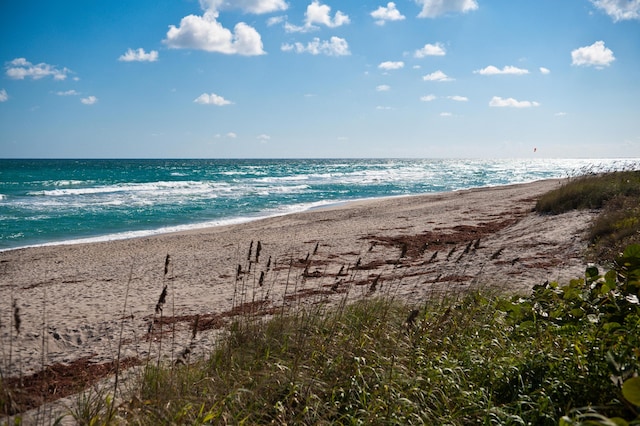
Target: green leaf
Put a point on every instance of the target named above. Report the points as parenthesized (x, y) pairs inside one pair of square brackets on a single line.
[(631, 390), (610, 326), (619, 421), (633, 251), (592, 273), (577, 313), (610, 278)]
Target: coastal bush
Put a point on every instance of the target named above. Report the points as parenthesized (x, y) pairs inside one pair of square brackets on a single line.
[(616, 195)]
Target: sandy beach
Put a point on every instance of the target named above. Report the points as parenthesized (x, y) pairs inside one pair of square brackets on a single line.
[(75, 301)]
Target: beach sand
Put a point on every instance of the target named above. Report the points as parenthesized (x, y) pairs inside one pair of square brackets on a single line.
[(75, 300)]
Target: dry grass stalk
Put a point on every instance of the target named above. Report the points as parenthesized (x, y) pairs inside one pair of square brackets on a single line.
[(166, 264), (161, 300), (453, 249), (16, 316)]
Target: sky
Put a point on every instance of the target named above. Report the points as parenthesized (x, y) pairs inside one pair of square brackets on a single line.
[(320, 79)]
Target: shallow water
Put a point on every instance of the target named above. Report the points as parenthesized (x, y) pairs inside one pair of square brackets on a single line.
[(54, 201)]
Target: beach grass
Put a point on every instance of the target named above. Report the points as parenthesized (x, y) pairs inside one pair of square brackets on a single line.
[(615, 194), (565, 352)]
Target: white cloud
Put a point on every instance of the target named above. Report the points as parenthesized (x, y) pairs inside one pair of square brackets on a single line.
[(389, 65), (139, 55), (560, 114), (595, 55), (206, 33), (4, 97), (509, 69), (619, 10), (20, 68), (232, 135), (290, 28), (428, 98), (275, 20), (257, 6), (211, 99), (336, 46), (437, 76), (434, 8), (89, 100), (458, 98), (318, 14), (263, 138), (321, 14), (389, 13), (446, 114), (497, 101), (430, 50), (68, 93), (383, 88), (544, 70), (383, 108)]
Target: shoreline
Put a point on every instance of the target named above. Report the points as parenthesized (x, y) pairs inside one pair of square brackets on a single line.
[(187, 227), (71, 297)]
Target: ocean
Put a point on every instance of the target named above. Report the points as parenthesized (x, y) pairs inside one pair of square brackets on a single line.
[(69, 201)]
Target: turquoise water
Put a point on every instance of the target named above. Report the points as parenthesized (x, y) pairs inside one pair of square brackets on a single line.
[(55, 201)]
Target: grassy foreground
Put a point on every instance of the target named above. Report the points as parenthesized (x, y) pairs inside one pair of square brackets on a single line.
[(566, 354)]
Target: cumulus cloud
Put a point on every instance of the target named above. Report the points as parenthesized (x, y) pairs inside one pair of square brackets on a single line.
[(458, 98), (321, 14), (67, 93), (383, 88), (596, 55), (434, 8), (206, 33), (20, 68), (619, 10), (446, 114), (89, 100), (389, 13), (336, 46), (390, 65), (437, 76), (509, 69), (139, 55), (497, 101), (428, 98), (4, 97), (544, 70), (211, 99), (430, 50), (263, 138)]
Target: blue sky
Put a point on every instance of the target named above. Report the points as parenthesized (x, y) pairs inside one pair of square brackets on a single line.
[(292, 78)]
